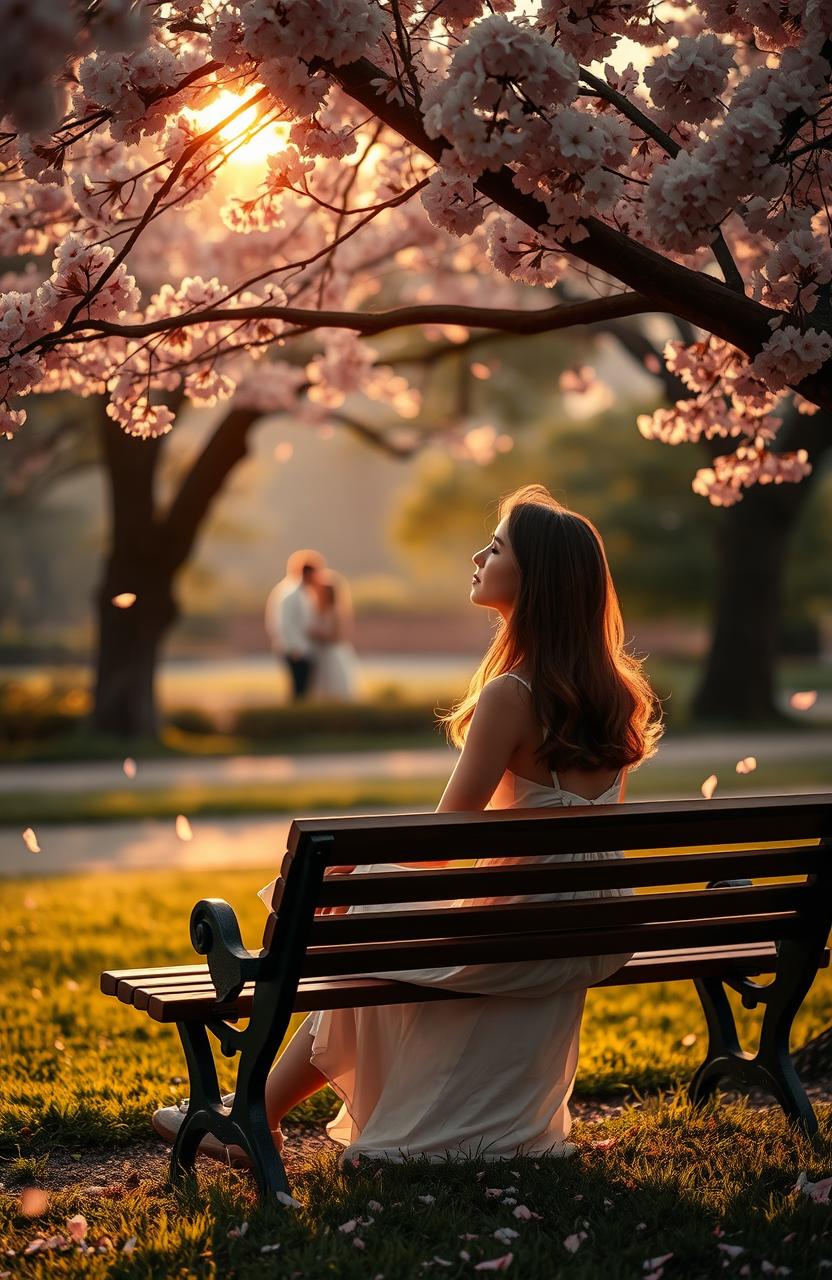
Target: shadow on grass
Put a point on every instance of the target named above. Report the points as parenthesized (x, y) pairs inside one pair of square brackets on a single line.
[(659, 1179)]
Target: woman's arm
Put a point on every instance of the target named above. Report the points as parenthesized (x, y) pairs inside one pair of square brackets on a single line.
[(499, 722)]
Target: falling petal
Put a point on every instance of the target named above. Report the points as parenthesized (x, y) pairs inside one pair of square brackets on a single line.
[(747, 765), (288, 1200), (183, 827), (804, 700), (124, 600), (33, 1202), (130, 768), (709, 786), (689, 1040), (481, 371), (31, 841), (129, 1245), (283, 451)]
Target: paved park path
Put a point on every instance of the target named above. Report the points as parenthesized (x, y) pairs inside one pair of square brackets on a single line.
[(224, 843)]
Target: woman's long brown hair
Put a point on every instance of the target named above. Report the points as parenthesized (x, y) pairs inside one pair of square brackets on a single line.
[(596, 704)]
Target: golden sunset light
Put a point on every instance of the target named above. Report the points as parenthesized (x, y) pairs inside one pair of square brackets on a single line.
[(265, 142)]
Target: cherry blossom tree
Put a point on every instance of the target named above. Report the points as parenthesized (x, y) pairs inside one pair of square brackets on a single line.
[(415, 165)]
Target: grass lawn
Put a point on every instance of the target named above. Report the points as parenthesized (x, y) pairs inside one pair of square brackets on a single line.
[(81, 1074)]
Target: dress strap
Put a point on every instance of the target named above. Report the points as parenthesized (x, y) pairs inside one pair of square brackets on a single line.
[(614, 782), (514, 676)]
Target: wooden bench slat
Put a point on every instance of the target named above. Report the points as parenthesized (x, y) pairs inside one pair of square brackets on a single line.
[(138, 989), (414, 885), (112, 977), (555, 917), (345, 992), (427, 953), (666, 824)]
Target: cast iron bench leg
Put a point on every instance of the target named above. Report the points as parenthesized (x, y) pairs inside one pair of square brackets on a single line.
[(771, 1067), (246, 1126), (204, 1090)]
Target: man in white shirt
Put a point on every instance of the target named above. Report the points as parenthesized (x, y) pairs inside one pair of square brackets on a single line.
[(290, 612)]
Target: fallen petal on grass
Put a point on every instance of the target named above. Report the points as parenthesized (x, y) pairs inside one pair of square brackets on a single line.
[(817, 1191), (77, 1227)]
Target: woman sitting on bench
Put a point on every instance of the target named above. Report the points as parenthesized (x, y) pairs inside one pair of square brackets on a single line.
[(556, 713)]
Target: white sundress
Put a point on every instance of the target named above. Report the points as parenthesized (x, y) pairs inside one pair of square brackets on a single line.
[(486, 1077)]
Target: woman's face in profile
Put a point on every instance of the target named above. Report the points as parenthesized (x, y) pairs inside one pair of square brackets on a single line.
[(497, 578)]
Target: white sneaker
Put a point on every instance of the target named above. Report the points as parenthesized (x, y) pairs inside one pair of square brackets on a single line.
[(167, 1121)]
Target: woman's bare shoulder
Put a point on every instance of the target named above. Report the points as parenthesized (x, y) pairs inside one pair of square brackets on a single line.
[(504, 692)]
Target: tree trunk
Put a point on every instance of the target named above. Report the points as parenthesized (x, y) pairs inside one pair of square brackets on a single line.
[(129, 640), (738, 683), (147, 550), (739, 678)]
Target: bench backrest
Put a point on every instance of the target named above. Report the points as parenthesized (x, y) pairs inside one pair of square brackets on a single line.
[(673, 848)]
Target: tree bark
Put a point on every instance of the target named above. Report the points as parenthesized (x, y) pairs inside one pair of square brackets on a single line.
[(128, 651), (147, 550), (739, 677), (129, 638)]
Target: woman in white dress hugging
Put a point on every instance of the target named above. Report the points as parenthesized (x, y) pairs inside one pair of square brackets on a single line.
[(335, 664), (555, 714)]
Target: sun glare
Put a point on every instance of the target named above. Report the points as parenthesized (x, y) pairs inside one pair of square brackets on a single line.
[(268, 140)]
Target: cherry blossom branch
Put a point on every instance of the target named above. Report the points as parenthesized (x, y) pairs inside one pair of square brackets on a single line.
[(730, 271), (672, 288), (368, 323)]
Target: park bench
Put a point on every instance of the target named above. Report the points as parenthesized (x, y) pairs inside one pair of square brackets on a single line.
[(688, 924)]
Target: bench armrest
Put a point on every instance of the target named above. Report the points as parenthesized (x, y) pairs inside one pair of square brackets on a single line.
[(215, 933)]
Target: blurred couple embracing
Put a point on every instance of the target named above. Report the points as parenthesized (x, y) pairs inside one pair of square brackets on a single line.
[(309, 622)]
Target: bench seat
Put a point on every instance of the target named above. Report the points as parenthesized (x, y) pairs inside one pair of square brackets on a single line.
[(183, 992)]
